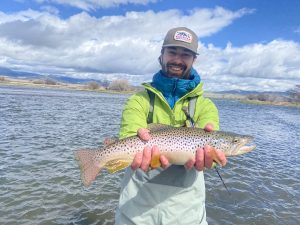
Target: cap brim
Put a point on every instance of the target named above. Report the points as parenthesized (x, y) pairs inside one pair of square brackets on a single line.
[(182, 46)]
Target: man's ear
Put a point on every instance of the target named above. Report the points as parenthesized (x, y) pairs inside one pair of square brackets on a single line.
[(160, 60), (195, 58)]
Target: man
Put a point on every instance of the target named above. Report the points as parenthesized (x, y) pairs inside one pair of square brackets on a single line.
[(171, 194)]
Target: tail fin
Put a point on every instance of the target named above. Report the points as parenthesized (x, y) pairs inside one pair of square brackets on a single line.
[(88, 166)]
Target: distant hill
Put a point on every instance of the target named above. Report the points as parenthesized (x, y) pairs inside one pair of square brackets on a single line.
[(72, 80), (19, 74), (59, 78)]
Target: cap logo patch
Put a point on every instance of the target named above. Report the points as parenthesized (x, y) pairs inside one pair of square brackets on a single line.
[(184, 36)]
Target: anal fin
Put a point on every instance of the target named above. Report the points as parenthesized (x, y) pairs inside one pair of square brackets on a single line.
[(116, 165)]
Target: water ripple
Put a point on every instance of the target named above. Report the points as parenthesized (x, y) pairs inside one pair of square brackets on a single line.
[(40, 181)]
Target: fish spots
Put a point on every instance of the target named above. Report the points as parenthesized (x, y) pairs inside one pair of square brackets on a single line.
[(171, 140)]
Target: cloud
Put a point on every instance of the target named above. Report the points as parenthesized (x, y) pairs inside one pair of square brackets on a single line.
[(50, 9), (120, 44), (127, 46), (269, 66), (95, 4)]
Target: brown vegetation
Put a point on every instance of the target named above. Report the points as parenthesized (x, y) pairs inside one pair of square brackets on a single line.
[(295, 93), (46, 81), (267, 97), (120, 85), (290, 98), (293, 96), (93, 85), (115, 86)]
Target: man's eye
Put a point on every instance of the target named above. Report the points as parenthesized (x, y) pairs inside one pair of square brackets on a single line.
[(187, 55)]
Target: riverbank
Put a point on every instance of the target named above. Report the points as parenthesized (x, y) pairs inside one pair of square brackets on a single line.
[(257, 102), (4, 80), (7, 81)]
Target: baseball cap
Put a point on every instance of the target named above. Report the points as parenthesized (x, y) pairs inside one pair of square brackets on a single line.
[(181, 37)]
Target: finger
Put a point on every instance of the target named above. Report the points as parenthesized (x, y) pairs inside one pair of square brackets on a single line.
[(208, 161), (209, 127), (221, 157), (144, 134), (137, 161), (146, 158), (189, 164), (164, 161), (199, 165)]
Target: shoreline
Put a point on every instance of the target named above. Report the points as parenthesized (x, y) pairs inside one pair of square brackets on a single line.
[(7, 81), (58, 85)]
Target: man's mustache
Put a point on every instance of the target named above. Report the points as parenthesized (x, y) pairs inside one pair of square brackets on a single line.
[(183, 67)]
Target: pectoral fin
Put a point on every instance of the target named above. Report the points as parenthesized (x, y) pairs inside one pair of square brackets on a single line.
[(116, 165)]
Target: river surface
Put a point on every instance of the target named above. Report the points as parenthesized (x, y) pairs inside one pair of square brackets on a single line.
[(40, 180)]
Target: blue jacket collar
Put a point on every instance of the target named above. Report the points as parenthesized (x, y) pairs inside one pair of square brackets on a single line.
[(174, 88)]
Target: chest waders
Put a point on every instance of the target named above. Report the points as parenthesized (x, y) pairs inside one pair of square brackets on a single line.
[(148, 198)]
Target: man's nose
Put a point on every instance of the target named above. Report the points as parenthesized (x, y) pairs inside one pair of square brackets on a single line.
[(177, 57)]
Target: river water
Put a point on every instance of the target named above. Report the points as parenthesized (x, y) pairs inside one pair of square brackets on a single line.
[(40, 180)]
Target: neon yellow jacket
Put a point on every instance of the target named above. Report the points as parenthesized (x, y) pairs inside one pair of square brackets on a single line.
[(163, 196), (137, 108)]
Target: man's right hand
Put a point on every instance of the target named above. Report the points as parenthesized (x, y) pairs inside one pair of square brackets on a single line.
[(143, 159)]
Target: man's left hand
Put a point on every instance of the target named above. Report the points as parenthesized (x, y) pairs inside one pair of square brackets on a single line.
[(203, 158)]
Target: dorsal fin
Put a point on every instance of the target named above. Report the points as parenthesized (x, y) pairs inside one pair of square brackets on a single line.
[(157, 127), (109, 140)]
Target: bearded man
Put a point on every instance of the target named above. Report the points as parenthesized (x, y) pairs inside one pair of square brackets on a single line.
[(170, 194)]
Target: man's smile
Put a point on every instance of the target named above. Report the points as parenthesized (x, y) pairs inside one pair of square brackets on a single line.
[(177, 68)]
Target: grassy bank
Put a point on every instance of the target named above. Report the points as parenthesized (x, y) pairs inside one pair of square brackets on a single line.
[(88, 87), (257, 102), (55, 85)]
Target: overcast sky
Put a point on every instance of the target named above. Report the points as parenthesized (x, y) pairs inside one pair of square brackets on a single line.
[(243, 44)]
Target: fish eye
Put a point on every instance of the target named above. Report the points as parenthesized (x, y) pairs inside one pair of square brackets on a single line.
[(235, 140)]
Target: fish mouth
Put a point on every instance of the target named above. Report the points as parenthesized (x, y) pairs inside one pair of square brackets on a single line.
[(246, 148)]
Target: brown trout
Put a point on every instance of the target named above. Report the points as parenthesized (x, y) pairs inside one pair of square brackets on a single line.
[(177, 144)]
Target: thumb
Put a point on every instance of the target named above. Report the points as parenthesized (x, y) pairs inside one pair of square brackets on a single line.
[(144, 134), (209, 127)]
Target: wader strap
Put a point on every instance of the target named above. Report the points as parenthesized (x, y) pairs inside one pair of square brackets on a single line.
[(151, 107), (192, 106), (189, 112)]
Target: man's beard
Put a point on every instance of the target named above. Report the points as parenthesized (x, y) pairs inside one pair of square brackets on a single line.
[(183, 75)]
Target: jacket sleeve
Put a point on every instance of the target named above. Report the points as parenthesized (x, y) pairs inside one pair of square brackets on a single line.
[(134, 115), (206, 112)]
